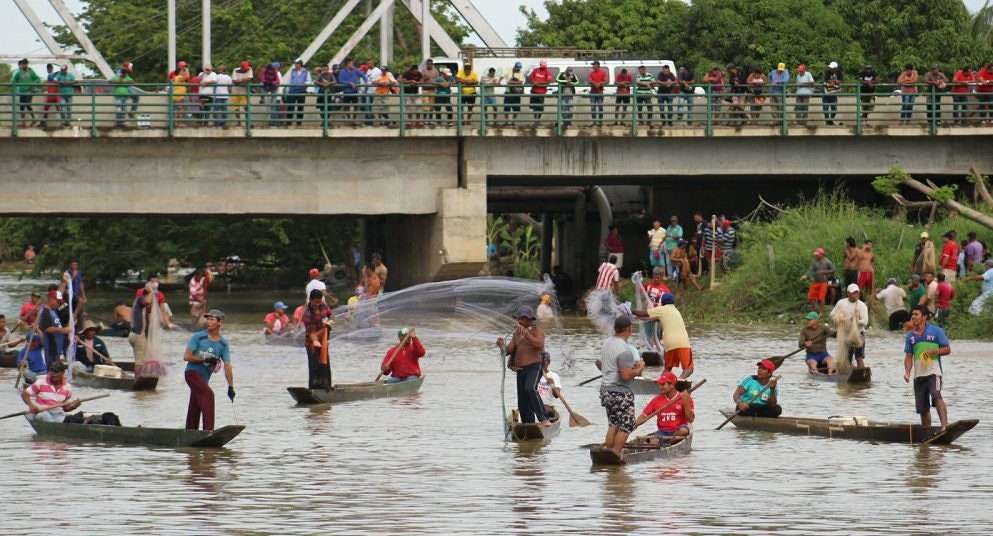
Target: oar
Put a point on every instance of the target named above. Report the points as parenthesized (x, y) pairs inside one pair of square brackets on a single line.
[(66, 403), (95, 351), (17, 382), (673, 402), (738, 412), (394, 356), (778, 360), (589, 380), (575, 419)]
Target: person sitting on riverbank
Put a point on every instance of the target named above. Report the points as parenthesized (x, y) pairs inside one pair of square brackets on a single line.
[(401, 362), (90, 349), (757, 395), (893, 298), (47, 392), (821, 270), (813, 337), (675, 420), (675, 339), (276, 322)]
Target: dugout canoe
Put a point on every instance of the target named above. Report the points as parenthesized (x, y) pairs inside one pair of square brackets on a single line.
[(639, 450), (127, 381), (851, 428), (650, 386), (858, 376), (651, 359), (8, 359), (532, 433), (137, 435), (348, 392)]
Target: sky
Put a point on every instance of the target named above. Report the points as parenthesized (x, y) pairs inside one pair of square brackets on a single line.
[(17, 38)]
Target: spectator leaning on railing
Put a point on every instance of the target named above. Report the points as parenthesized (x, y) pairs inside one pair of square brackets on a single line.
[(936, 82), (908, 91), (833, 78)]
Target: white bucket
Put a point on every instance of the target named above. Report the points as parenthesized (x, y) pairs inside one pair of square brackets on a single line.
[(106, 371)]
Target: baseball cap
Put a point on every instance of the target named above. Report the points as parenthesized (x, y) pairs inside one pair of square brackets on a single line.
[(316, 294), (781, 66), (658, 270), (667, 377), (924, 234), (852, 288), (215, 313), (54, 294), (279, 305), (767, 364), (819, 251), (403, 332), (313, 272), (524, 312), (667, 299), (833, 65), (812, 315)]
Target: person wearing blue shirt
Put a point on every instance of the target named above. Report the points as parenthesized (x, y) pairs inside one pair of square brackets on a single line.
[(924, 345), (31, 359), (758, 395), (779, 78), (205, 354), (350, 78)]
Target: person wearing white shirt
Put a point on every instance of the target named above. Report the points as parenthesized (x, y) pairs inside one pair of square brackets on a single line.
[(894, 299), (222, 92), (549, 386), (315, 283), (852, 310), (208, 78)]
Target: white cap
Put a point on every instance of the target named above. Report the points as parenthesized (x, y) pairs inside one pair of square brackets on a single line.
[(852, 288), (833, 65)]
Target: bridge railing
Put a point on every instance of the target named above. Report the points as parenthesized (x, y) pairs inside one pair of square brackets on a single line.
[(105, 109)]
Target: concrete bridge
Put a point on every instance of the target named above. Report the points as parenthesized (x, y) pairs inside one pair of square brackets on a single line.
[(431, 186)]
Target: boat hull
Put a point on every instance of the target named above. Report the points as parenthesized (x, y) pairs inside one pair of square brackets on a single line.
[(636, 452), (349, 392), (126, 383), (533, 433), (139, 435), (871, 431), (650, 386), (8, 359)]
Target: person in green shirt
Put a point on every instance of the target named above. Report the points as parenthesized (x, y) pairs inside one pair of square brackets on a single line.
[(122, 94), (26, 82), (916, 291), (644, 89), (567, 81), (67, 86)]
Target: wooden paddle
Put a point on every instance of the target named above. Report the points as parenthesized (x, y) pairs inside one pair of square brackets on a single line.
[(575, 419), (66, 403), (95, 351), (672, 402), (738, 412), (396, 350), (589, 380)]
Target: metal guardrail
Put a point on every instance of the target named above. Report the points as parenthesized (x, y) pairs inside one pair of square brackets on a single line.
[(490, 110)]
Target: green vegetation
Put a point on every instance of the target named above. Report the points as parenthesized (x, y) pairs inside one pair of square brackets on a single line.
[(518, 246), (769, 289), (276, 250), (705, 33)]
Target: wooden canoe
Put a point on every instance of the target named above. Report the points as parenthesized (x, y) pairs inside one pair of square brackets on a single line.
[(859, 376), (137, 435), (8, 359), (348, 392), (877, 431), (127, 382), (651, 359), (640, 451), (650, 386), (533, 433)]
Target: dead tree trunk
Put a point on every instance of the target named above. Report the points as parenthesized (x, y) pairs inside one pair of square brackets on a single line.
[(971, 213)]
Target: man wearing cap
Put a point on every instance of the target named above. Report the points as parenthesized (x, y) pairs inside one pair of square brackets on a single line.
[(949, 257), (90, 349), (620, 365), (597, 79), (925, 344), (540, 79), (241, 77), (47, 392), (675, 339), (757, 395), (833, 79), (894, 300), (821, 270), (924, 256), (205, 353), (779, 78), (402, 361), (315, 282), (469, 79), (656, 287), (276, 322), (317, 321), (512, 97), (813, 338), (853, 310), (675, 420), (54, 334), (525, 349)]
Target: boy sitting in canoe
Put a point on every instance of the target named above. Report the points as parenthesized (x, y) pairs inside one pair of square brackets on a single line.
[(674, 421), (758, 396), (813, 338), (401, 362), (549, 386), (45, 395)]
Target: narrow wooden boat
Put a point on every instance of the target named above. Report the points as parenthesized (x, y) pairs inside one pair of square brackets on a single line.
[(137, 435), (533, 433), (651, 359), (126, 366), (348, 392), (860, 376), (114, 332), (650, 386), (127, 382), (639, 450), (8, 359), (852, 428)]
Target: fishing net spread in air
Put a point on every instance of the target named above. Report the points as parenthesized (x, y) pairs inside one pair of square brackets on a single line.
[(154, 363), (602, 308)]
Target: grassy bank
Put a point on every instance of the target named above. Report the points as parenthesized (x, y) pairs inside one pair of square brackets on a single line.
[(767, 288)]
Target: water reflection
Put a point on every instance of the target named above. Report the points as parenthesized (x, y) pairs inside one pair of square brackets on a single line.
[(617, 495), (527, 497), (925, 469)]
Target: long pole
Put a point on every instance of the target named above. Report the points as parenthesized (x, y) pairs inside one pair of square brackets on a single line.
[(205, 21), (171, 30), (425, 29), (713, 249)]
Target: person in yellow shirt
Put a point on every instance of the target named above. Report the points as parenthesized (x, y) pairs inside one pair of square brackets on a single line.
[(180, 77), (469, 80), (675, 339)]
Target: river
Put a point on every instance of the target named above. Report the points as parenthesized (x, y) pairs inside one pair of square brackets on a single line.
[(436, 462)]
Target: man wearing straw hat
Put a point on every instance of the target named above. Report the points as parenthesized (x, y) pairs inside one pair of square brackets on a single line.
[(90, 349)]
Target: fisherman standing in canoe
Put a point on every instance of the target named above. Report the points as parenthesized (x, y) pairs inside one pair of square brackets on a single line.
[(851, 318), (925, 344), (620, 365), (675, 339), (813, 337), (401, 362), (758, 395), (317, 321), (676, 419), (525, 349), (49, 391), (205, 353)]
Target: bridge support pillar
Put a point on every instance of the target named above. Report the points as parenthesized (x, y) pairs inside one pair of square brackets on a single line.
[(449, 244)]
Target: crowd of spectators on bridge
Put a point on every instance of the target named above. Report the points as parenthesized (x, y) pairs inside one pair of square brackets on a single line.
[(365, 93)]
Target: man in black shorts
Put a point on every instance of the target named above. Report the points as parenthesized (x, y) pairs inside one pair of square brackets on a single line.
[(924, 346)]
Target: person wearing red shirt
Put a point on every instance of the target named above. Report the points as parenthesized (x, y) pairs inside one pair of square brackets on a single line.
[(657, 287), (401, 362), (984, 92), (615, 246), (51, 94), (29, 309), (945, 294), (597, 80), (962, 83), (623, 80), (949, 261), (540, 78), (674, 420)]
